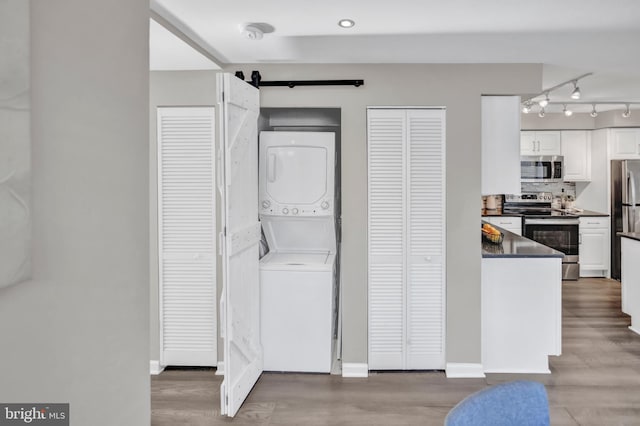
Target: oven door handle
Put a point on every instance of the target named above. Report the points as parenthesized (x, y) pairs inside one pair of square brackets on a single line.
[(551, 221)]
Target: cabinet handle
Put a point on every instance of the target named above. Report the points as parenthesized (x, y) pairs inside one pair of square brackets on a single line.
[(538, 146), (534, 146), (580, 238)]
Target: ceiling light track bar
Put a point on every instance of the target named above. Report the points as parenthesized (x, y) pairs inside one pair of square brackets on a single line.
[(256, 80), (595, 103), (557, 86)]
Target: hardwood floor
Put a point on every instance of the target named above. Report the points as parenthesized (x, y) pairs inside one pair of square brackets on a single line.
[(596, 381)]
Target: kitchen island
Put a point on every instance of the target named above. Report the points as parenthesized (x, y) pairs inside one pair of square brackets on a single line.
[(521, 305), (630, 277)]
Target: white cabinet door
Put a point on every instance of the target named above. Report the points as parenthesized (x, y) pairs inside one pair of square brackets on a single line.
[(625, 143), (548, 143), (240, 301), (540, 142), (406, 238), (576, 150), (186, 237), (528, 143), (594, 246), (500, 133)]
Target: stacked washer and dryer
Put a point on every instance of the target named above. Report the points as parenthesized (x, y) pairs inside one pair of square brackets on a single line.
[(297, 275)]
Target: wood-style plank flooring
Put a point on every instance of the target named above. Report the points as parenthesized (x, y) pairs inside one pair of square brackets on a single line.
[(596, 381)]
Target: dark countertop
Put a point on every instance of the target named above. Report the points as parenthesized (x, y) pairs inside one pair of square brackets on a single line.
[(499, 212), (631, 235), (590, 213), (514, 246)]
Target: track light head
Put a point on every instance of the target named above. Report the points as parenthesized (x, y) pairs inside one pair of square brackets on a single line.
[(526, 108), (627, 112), (567, 112), (544, 102), (594, 113), (576, 90), (541, 113)]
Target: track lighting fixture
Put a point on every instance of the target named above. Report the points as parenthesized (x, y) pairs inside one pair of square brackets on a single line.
[(576, 90), (544, 102), (542, 112)]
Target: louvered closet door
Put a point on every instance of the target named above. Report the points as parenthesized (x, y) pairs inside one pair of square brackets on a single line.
[(406, 238), (386, 145), (186, 229), (425, 245)]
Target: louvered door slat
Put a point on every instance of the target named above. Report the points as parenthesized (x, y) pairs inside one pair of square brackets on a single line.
[(187, 236)]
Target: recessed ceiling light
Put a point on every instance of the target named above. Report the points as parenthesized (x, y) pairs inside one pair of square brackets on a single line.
[(346, 23)]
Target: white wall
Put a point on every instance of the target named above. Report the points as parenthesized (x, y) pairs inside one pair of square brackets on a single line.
[(78, 331), (456, 87)]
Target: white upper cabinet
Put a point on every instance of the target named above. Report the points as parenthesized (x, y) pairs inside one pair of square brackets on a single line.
[(576, 150), (625, 143), (540, 143), (500, 152)]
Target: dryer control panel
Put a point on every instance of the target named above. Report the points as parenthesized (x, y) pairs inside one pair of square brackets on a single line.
[(323, 208)]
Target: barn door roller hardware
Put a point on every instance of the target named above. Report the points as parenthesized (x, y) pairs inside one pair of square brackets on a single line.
[(256, 80)]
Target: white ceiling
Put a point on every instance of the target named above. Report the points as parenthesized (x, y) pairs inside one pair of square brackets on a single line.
[(570, 37)]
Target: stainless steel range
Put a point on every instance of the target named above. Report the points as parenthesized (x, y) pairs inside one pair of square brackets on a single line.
[(553, 228)]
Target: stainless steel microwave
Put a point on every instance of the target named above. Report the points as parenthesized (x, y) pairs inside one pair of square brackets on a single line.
[(541, 168)]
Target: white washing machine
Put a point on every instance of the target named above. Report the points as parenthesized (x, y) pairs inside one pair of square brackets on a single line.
[(297, 276), (296, 311)]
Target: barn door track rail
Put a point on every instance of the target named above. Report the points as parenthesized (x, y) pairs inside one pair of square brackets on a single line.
[(256, 81)]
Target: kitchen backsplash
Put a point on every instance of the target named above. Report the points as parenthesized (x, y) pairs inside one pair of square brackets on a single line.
[(555, 188)]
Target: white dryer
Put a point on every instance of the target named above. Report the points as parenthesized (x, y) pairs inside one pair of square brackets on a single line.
[(297, 276), (297, 173)]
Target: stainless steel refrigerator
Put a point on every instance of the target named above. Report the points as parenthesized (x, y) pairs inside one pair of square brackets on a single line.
[(625, 205)]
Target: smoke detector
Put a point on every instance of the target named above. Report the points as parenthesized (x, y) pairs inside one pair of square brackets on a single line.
[(251, 31)]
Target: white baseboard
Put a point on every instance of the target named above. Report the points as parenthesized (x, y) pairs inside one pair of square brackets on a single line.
[(518, 371), (220, 368), (634, 329), (355, 370), (457, 370), (155, 368)]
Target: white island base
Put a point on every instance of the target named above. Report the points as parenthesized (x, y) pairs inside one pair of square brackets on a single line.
[(521, 313), (630, 278)]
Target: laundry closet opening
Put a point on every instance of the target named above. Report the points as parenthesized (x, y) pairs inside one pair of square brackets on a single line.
[(300, 212)]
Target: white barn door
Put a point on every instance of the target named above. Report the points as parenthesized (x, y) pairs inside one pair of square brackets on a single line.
[(186, 236), (240, 300)]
